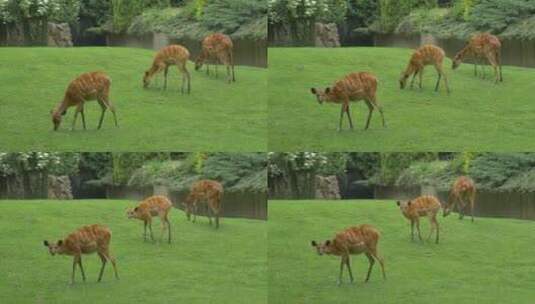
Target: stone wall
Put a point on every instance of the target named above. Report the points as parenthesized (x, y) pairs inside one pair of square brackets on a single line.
[(327, 187), (59, 187), (59, 35)]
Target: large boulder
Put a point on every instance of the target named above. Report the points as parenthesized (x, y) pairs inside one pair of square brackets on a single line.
[(327, 187), (326, 35), (59, 187), (59, 35)]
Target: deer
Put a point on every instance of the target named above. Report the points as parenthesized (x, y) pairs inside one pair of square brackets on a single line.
[(423, 56), (157, 205), (85, 240), (86, 87), (218, 48), (353, 87), (486, 46), (170, 55), (425, 205), (462, 191), (353, 241), (204, 191)]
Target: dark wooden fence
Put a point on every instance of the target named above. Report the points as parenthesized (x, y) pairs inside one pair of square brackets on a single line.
[(488, 203)]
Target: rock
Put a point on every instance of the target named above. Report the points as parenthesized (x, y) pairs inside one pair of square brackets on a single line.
[(59, 35), (326, 35), (327, 187), (59, 187)]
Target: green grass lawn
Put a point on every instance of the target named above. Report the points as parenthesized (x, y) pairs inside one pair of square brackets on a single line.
[(489, 261), (215, 117), (477, 116), (201, 265)]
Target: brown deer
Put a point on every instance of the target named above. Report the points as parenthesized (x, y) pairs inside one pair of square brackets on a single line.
[(170, 55), (86, 87), (425, 205), (482, 45), (353, 87), (157, 205), (87, 239), (462, 191), (217, 48), (423, 56), (353, 240), (204, 191)]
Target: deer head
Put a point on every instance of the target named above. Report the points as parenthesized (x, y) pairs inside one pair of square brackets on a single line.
[(56, 248), (56, 117), (457, 61), (321, 96), (146, 79), (403, 80), (132, 213), (323, 248)]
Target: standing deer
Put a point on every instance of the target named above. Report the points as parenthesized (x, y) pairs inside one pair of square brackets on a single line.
[(425, 55), (425, 205), (482, 45), (462, 191), (86, 87), (218, 48), (169, 55), (353, 240), (204, 191), (353, 87), (157, 205), (85, 240)]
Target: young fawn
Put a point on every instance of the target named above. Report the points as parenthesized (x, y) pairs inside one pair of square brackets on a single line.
[(353, 87), (462, 192), (425, 55), (86, 87), (169, 55), (484, 46), (425, 205), (204, 191), (217, 48), (157, 205), (353, 240), (85, 240)]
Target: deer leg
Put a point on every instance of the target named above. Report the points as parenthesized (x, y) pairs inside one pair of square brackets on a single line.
[(168, 230), (81, 267), (472, 201), (209, 214), (370, 112), (103, 261), (413, 77), (166, 70), (150, 230), (103, 110), (412, 230), (380, 260), (376, 104), (494, 64), (194, 212), (461, 206), (341, 270), (74, 262), (341, 117), (371, 261), (437, 228), (144, 230), (420, 78), (83, 116), (349, 118), (418, 229), (108, 105), (112, 260), (74, 119), (185, 78), (348, 264)]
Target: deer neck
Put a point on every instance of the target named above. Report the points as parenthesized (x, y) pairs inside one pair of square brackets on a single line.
[(60, 108)]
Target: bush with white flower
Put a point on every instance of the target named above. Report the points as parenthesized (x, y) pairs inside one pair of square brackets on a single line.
[(281, 11)]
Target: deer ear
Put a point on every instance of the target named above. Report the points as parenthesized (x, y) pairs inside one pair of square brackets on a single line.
[(398, 203), (313, 243), (409, 203), (313, 90), (45, 242), (60, 242), (327, 242), (327, 90), (136, 209)]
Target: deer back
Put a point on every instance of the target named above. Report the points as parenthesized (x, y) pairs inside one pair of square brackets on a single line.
[(357, 239), (355, 86), (88, 239), (88, 86)]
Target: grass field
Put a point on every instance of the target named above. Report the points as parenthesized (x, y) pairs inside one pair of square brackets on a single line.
[(489, 261), (215, 117), (200, 266), (477, 116)]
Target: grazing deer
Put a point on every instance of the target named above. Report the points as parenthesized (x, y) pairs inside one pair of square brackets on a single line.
[(218, 48), (425, 55), (86, 87), (425, 205), (157, 205), (85, 240), (462, 191), (353, 87), (169, 55), (204, 191), (479, 46), (353, 240)]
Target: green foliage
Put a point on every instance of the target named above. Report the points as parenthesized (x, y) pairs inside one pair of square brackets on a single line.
[(68, 11), (393, 164), (497, 15), (238, 171), (426, 173), (123, 13), (503, 171), (98, 164), (18, 163), (392, 11)]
